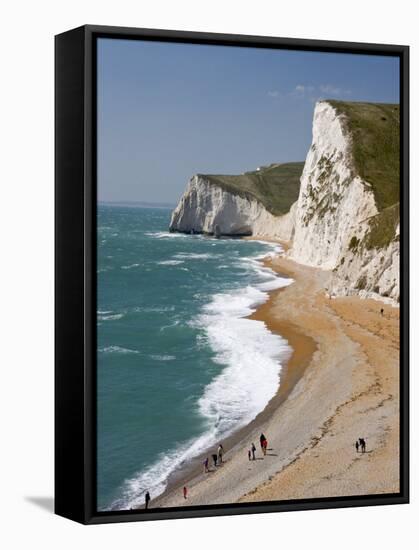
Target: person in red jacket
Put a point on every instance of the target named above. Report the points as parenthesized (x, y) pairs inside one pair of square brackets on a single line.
[(262, 439), (264, 446), (263, 443)]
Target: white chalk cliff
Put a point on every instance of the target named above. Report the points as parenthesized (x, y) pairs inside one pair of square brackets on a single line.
[(208, 208), (329, 225), (334, 211)]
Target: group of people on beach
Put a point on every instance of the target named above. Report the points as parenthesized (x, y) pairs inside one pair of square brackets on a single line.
[(217, 459), (251, 453), (360, 443)]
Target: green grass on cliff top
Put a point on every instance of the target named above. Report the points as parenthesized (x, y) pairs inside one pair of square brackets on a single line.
[(375, 131), (276, 186)]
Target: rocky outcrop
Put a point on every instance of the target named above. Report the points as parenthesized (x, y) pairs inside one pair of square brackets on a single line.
[(207, 208), (370, 273)]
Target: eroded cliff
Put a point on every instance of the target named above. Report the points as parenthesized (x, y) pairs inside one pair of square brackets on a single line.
[(254, 203), (342, 215), (347, 215)]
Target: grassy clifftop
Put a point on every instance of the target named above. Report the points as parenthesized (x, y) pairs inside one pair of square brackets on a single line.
[(276, 186), (375, 132)]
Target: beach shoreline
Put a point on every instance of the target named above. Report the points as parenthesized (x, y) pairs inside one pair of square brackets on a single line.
[(333, 369), (302, 347)]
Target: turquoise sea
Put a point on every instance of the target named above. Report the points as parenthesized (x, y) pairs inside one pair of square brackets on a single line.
[(179, 366)]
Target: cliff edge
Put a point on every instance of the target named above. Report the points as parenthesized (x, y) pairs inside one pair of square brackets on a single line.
[(253, 203), (347, 215), (339, 210)]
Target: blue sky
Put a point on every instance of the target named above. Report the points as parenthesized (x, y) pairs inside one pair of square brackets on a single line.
[(167, 111)]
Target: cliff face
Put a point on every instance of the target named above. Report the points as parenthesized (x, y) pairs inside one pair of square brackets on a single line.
[(208, 208), (338, 225), (332, 200), (253, 203), (371, 273), (343, 216)]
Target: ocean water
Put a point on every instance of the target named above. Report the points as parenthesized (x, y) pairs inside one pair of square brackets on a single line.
[(179, 366)]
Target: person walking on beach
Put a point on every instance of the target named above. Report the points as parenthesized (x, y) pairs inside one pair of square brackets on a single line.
[(382, 311), (357, 446), (249, 455), (363, 444), (185, 492), (253, 451), (262, 439), (220, 453), (214, 458), (147, 500), (264, 446), (205, 465)]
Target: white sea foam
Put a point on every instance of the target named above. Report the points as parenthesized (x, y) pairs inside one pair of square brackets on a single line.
[(165, 235), (155, 477), (165, 327), (162, 309), (194, 256), (129, 266), (274, 284), (117, 349), (109, 316), (171, 262), (252, 357), (163, 357)]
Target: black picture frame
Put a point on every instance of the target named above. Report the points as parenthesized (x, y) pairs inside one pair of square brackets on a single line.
[(75, 273)]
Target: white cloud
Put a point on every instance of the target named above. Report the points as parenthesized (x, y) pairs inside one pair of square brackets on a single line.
[(315, 93), (273, 93), (333, 90), (302, 89)]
